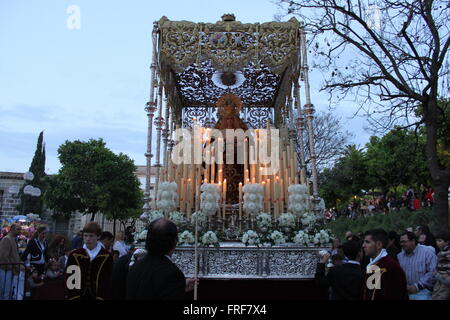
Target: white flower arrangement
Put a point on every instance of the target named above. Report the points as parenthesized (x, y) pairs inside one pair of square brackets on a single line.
[(250, 238), (253, 198), (177, 217), (321, 238), (277, 237), (167, 196), (286, 220), (144, 217), (264, 221), (142, 236), (209, 199), (298, 199), (201, 218), (210, 238), (155, 214), (320, 206), (308, 220), (302, 237), (186, 237)]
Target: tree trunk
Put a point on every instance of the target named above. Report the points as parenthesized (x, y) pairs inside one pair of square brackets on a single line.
[(92, 216), (440, 207), (440, 177)]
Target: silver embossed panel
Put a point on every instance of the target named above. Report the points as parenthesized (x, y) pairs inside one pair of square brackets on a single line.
[(235, 261)]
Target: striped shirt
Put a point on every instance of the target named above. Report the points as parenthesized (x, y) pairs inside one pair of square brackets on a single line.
[(419, 266)]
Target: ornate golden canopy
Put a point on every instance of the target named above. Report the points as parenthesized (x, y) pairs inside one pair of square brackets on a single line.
[(200, 62)]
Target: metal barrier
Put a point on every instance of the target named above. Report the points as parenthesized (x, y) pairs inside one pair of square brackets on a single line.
[(13, 281)]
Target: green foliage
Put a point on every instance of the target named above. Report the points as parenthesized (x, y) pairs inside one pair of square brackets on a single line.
[(394, 221), (93, 179), (389, 164), (398, 158), (346, 179), (28, 203)]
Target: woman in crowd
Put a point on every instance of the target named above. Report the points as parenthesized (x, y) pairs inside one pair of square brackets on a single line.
[(35, 254), (120, 245), (57, 247)]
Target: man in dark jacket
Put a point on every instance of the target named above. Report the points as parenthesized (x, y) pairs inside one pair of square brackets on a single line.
[(119, 277), (345, 280), (155, 276)]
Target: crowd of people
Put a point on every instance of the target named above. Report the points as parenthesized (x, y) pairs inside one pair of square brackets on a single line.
[(375, 265), (380, 265), (411, 200), (42, 264)]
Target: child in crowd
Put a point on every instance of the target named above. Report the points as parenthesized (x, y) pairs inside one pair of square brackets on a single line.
[(54, 270), (35, 280)]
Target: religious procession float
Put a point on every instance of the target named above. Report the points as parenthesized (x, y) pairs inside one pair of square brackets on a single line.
[(225, 134)]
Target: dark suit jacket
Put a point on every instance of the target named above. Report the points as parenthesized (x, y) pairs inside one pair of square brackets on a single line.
[(155, 278), (119, 277), (393, 282), (345, 280), (95, 275), (35, 251)]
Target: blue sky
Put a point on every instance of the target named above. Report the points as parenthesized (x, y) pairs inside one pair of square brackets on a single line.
[(93, 82)]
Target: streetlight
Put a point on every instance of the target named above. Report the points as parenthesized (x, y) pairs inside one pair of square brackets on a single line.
[(29, 189)]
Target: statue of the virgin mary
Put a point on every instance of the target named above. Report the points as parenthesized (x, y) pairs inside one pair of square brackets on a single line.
[(229, 106)]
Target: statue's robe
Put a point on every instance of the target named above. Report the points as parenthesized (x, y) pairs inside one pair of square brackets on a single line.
[(234, 173)]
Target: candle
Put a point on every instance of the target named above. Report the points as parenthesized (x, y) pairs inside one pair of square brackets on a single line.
[(224, 197), (267, 195), (245, 157), (188, 198), (246, 176), (208, 164), (220, 173), (260, 175), (281, 195), (276, 195), (221, 197), (213, 170), (240, 200), (287, 181), (264, 195), (183, 195)]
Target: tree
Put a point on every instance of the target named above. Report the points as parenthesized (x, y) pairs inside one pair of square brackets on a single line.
[(93, 179), (398, 158), (28, 203), (348, 178), (125, 197), (393, 62), (329, 139)]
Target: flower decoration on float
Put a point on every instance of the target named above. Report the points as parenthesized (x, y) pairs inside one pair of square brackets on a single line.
[(210, 239), (186, 237), (250, 238)]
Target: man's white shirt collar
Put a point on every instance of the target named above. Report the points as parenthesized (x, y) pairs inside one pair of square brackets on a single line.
[(382, 254), (94, 252)]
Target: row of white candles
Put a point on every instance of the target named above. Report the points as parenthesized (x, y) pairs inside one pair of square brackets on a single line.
[(190, 177)]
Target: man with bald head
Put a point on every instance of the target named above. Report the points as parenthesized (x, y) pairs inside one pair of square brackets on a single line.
[(155, 276)]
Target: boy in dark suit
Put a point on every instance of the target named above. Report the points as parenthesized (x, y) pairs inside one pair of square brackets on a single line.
[(346, 279), (92, 264)]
